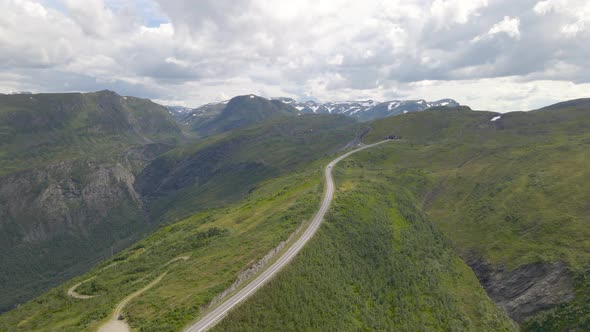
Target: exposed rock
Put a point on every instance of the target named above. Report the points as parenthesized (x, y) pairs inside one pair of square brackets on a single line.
[(64, 196), (138, 156), (57, 220), (527, 290)]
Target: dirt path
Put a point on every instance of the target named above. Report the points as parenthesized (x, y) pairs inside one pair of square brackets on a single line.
[(119, 309), (116, 325), (72, 291)]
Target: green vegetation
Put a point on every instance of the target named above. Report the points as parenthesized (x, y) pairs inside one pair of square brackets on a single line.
[(194, 177), (574, 316), (511, 192), (42, 128), (220, 242), (224, 168), (30, 268), (66, 195), (91, 158), (375, 264), (239, 112)]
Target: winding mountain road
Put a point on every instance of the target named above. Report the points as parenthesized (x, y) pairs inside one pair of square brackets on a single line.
[(215, 315)]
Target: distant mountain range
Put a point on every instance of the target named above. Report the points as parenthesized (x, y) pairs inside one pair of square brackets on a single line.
[(368, 109), (361, 110)]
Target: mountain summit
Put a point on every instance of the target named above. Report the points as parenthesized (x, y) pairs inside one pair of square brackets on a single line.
[(238, 112)]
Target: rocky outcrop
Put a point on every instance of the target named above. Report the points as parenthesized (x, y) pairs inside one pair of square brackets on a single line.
[(57, 220), (65, 196), (527, 290)]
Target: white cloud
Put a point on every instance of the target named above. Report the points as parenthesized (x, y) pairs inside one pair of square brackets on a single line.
[(575, 12), (544, 7), (457, 11), (571, 30), (508, 25), (503, 94), (196, 52), (336, 59)]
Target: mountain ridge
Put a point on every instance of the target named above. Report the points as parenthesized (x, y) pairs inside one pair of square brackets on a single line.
[(361, 110), (240, 111), (366, 110)]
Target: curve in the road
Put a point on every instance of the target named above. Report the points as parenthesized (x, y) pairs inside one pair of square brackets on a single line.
[(72, 291), (115, 324), (121, 305), (215, 315)]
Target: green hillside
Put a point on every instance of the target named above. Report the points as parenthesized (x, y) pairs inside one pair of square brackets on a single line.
[(508, 196), (376, 264), (225, 167), (67, 164), (220, 243), (458, 225), (511, 196), (196, 177), (239, 112), (36, 129)]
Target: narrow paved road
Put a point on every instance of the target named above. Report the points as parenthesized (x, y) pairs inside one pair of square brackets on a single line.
[(214, 316)]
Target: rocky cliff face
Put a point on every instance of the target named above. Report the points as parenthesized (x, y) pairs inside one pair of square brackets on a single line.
[(58, 220), (66, 196), (527, 290), (67, 165)]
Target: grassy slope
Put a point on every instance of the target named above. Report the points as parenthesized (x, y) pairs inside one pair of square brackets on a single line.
[(43, 128), (220, 242), (226, 167), (518, 182), (512, 192), (29, 269), (376, 264)]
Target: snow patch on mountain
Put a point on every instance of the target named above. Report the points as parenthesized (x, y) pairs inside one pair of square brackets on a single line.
[(365, 110)]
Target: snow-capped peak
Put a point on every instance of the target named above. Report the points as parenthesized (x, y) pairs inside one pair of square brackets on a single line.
[(363, 110), (366, 109)]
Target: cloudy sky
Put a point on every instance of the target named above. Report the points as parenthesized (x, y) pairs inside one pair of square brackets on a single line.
[(502, 55)]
